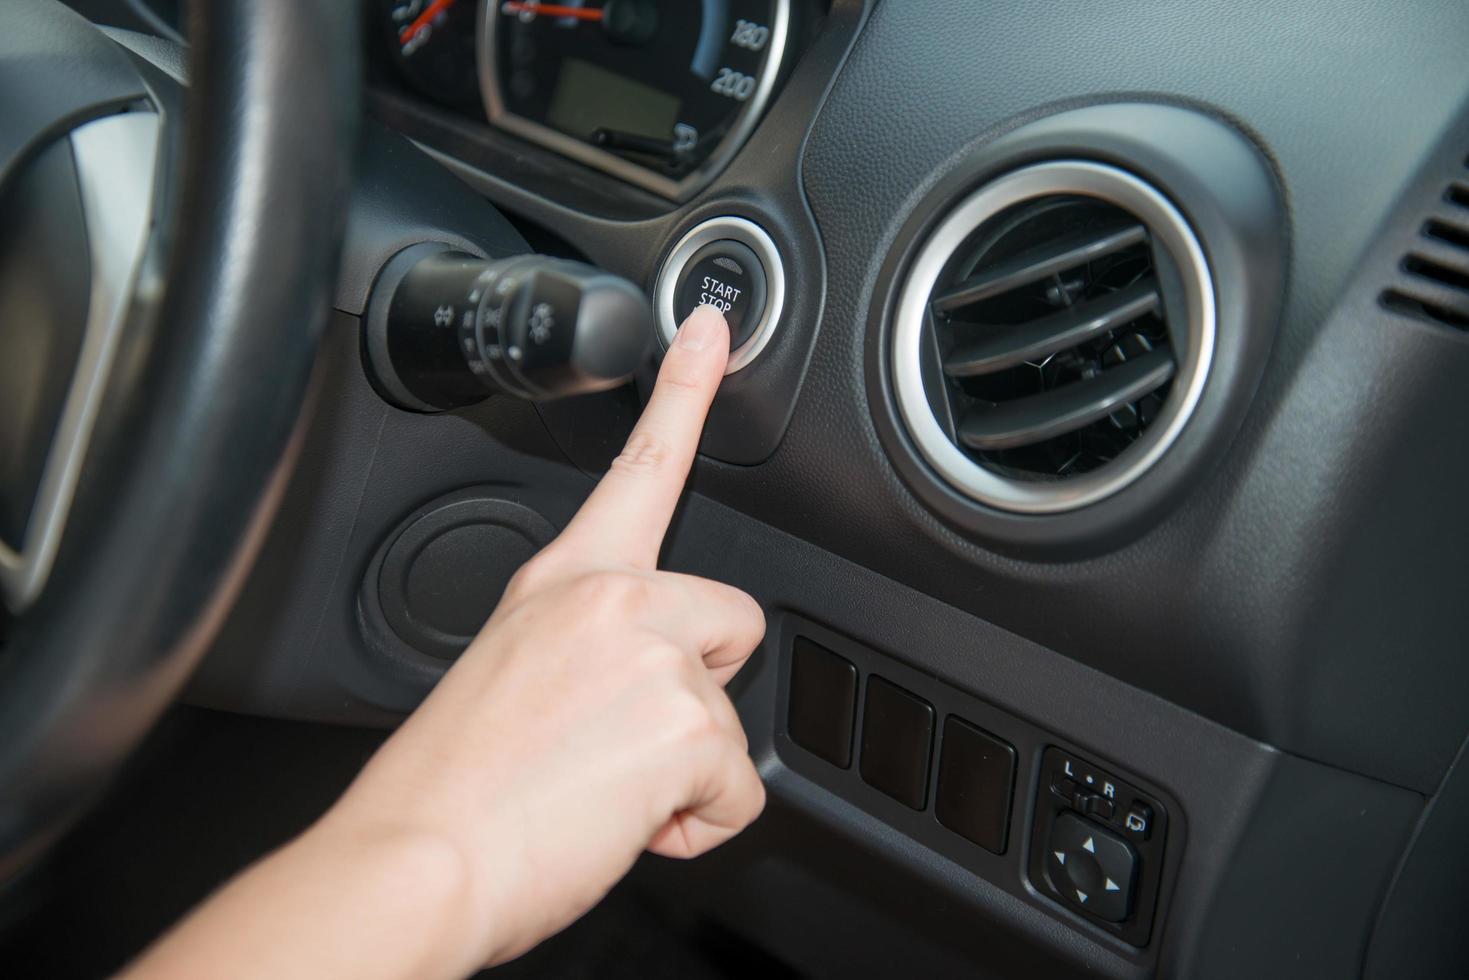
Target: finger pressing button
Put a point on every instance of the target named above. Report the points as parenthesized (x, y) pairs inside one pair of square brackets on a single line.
[(729, 277), (729, 263)]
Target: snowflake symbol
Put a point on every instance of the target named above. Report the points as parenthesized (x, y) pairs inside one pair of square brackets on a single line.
[(541, 322)]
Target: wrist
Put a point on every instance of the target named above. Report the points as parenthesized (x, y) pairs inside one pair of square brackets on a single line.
[(419, 883)]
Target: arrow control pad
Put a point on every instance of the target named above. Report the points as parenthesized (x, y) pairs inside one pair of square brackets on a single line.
[(1091, 867), (1098, 844)]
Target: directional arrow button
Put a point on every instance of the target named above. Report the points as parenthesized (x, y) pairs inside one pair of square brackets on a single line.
[(1095, 871)]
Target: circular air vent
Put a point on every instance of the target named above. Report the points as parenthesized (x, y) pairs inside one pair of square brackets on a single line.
[(1053, 337)]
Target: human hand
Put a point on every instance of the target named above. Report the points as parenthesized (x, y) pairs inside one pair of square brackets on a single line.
[(587, 721)]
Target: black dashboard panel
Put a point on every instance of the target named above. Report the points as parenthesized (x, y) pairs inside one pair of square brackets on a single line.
[(1234, 606), (1230, 195), (595, 217), (1276, 658)]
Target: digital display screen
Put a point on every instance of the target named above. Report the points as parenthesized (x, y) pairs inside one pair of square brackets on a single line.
[(588, 98)]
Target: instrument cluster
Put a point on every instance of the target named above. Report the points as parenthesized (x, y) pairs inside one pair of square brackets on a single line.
[(659, 93)]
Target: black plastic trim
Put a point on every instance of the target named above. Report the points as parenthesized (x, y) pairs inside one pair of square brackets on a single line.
[(386, 621), (1008, 870)]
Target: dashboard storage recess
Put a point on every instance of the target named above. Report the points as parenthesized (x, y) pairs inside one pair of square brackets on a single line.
[(438, 575)]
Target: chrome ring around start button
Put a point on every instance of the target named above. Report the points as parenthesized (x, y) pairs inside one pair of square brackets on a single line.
[(728, 228)]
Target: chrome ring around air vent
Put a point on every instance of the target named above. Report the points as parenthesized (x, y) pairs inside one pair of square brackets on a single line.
[(1194, 345)]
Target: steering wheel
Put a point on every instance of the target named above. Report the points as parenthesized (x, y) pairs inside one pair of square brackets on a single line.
[(166, 267)]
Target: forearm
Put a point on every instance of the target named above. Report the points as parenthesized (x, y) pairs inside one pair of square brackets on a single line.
[(341, 900), (586, 723)]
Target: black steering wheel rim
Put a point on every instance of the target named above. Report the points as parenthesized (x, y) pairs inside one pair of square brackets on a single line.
[(194, 439)]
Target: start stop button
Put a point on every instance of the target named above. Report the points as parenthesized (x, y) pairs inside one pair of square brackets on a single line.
[(727, 276), (731, 264)]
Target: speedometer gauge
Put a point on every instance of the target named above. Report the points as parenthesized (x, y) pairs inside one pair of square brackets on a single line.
[(433, 46), (657, 92)]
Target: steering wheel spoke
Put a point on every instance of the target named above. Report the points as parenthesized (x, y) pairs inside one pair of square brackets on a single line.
[(162, 302), (114, 160)]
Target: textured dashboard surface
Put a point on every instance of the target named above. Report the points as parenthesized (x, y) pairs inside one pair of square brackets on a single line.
[(1304, 596), (1233, 606)]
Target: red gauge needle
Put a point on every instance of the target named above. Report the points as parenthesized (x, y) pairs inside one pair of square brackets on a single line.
[(422, 20), (551, 10)]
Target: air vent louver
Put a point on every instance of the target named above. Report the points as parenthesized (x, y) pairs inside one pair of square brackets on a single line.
[(1433, 284), (1053, 337)]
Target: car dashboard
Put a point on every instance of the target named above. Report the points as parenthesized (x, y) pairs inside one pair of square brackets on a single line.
[(1093, 440)]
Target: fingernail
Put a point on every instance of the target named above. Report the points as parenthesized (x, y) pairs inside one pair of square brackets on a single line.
[(701, 329)]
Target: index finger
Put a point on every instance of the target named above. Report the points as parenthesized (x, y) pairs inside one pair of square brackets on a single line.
[(626, 516)]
